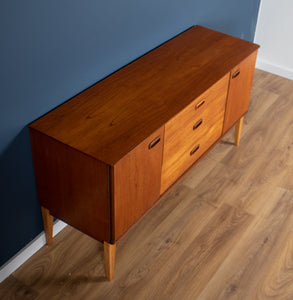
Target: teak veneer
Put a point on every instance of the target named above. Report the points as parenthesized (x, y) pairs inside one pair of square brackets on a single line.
[(104, 158)]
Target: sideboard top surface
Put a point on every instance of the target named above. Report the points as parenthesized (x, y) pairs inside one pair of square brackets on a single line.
[(110, 118)]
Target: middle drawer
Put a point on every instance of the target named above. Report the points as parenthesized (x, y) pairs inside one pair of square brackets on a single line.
[(192, 131)]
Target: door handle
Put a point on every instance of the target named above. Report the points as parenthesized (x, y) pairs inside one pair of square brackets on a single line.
[(154, 142), (236, 73), (197, 124)]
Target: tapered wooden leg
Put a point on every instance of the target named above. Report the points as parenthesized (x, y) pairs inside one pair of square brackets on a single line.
[(48, 225), (109, 252), (238, 128)]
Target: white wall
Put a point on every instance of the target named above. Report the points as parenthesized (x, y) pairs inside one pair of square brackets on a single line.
[(274, 33)]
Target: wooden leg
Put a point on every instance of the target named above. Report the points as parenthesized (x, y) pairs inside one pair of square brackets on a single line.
[(109, 252), (238, 128), (48, 225)]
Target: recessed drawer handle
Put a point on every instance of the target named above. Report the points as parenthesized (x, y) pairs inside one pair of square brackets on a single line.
[(194, 149), (197, 124), (154, 142), (198, 105), (236, 74)]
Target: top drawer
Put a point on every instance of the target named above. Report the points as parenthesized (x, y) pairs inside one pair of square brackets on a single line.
[(209, 103), (199, 125)]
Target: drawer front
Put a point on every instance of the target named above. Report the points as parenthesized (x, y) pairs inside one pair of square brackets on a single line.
[(191, 132), (180, 128)]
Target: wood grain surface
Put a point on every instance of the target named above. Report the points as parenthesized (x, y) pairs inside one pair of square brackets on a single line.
[(136, 179), (241, 77), (72, 186), (112, 117), (224, 232), (181, 136)]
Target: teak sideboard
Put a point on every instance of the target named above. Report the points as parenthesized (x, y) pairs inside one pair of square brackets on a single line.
[(104, 158)]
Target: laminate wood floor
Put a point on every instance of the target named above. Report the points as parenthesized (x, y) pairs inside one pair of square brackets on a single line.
[(224, 232)]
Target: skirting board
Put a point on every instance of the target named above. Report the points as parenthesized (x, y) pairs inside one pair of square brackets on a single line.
[(24, 254), (273, 68)]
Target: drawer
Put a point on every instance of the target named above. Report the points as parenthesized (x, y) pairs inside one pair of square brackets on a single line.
[(191, 132), (209, 104)]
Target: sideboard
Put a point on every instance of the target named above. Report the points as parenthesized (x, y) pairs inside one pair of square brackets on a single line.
[(104, 158)]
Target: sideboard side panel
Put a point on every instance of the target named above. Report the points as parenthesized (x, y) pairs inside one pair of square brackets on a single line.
[(241, 78), (137, 180), (72, 186)]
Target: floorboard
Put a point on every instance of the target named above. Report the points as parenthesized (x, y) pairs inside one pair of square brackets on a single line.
[(224, 232)]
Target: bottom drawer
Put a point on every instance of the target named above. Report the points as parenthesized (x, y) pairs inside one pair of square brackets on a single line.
[(183, 158)]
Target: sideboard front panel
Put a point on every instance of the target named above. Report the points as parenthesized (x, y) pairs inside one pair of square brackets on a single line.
[(137, 179), (239, 91), (191, 132)]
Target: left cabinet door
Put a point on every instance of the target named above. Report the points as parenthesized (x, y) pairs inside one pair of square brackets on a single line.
[(136, 183)]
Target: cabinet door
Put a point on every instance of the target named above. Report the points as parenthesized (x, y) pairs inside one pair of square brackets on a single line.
[(137, 178), (239, 91)]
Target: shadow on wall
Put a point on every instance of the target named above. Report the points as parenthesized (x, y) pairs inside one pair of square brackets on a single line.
[(17, 182)]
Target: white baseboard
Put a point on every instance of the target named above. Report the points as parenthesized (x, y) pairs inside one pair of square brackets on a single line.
[(30, 249), (275, 69)]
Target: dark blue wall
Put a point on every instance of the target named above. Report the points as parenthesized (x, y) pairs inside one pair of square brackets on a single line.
[(51, 50)]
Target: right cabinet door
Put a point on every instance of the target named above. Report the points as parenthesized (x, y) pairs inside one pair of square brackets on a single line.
[(239, 91)]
